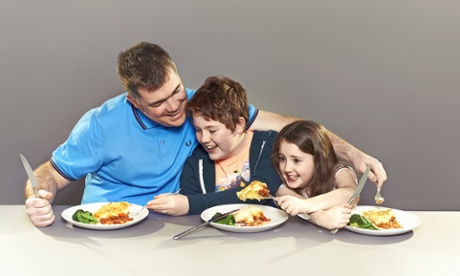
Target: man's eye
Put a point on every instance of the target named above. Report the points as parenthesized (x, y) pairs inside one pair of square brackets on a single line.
[(156, 104)]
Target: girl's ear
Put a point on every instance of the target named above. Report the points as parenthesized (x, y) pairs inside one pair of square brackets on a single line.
[(240, 125)]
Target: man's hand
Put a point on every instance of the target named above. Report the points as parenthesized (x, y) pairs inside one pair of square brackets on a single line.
[(173, 205), (39, 209), (377, 173)]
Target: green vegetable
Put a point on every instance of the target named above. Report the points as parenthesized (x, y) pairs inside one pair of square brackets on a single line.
[(227, 220), (359, 221), (84, 217)]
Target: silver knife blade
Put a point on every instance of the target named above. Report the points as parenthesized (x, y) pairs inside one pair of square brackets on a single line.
[(30, 173), (357, 192), (360, 187), (190, 230)]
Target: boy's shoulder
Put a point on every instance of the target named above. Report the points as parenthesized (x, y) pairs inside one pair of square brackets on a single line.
[(264, 135)]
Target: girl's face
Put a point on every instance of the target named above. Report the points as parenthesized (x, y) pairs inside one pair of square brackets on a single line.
[(217, 139), (296, 167)]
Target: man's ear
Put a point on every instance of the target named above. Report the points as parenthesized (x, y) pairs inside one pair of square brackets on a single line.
[(132, 101)]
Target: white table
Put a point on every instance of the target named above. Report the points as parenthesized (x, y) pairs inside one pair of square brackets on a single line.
[(295, 248)]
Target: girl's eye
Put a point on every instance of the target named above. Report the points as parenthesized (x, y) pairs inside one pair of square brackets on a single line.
[(281, 158), (297, 160)]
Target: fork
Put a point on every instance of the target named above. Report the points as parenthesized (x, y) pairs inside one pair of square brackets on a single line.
[(378, 197), (143, 207), (270, 197)]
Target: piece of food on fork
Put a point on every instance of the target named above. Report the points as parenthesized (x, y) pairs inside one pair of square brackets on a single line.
[(255, 190)]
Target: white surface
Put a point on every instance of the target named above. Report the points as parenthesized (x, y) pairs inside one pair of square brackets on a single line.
[(93, 207), (276, 216), (407, 220), (147, 248)]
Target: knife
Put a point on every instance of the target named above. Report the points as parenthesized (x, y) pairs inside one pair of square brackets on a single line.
[(30, 173), (355, 197), (190, 230)]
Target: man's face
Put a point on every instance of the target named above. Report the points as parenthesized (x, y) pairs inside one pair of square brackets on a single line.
[(165, 105)]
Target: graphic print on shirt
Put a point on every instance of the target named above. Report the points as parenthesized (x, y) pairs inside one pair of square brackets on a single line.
[(232, 177)]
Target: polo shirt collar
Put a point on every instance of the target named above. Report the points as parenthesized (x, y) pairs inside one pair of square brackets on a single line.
[(144, 121)]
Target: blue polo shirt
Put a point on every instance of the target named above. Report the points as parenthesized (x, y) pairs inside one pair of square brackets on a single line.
[(124, 155)]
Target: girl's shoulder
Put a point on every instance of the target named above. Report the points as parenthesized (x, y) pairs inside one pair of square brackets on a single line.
[(342, 168)]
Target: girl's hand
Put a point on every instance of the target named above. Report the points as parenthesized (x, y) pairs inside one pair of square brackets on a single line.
[(293, 205), (336, 217)]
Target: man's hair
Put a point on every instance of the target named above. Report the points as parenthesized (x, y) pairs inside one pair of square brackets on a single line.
[(220, 99), (144, 65)]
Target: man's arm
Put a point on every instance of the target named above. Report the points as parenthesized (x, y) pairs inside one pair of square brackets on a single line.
[(345, 151), (271, 121), (50, 182), (48, 179), (360, 160)]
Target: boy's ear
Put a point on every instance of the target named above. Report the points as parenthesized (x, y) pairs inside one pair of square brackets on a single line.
[(240, 125)]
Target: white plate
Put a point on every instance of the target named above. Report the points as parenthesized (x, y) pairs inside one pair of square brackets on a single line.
[(276, 217), (93, 207), (407, 220)]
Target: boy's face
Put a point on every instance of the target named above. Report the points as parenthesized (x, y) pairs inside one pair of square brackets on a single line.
[(219, 141), (165, 105), (296, 166)]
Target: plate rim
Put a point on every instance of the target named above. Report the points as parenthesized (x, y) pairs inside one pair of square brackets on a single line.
[(383, 232), (67, 213), (244, 229)]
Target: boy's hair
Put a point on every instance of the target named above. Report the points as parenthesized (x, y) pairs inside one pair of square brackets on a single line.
[(220, 99), (312, 138), (144, 65)]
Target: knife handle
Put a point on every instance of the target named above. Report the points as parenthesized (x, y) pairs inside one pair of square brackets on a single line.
[(190, 230), (353, 202)]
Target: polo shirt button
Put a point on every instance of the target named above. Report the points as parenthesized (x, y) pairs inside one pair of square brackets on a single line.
[(162, 141)]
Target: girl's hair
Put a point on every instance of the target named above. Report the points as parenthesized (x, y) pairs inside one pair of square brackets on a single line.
[(220, 99), (311, 138)]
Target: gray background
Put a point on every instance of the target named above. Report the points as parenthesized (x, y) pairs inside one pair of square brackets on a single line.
[(381, 74)]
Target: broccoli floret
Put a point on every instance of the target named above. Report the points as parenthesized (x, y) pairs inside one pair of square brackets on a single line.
[(359, 221), (84, 217)]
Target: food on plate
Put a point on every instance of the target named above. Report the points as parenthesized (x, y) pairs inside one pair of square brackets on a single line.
[(384, 219), (359, 221), (113, 213), (227, 220), (250, 216), (255, 190), (84, 217)]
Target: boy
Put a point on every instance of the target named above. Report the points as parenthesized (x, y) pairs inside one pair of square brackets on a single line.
[(229, 154)]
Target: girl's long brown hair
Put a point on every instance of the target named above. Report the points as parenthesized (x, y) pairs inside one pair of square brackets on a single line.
[(311, 138)]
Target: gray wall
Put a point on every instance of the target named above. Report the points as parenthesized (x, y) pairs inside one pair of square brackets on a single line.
[(381, 74)]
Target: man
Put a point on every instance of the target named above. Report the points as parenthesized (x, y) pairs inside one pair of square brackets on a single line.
[(134, 146)]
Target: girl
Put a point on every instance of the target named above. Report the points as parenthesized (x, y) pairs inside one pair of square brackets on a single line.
[(315, 182)]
